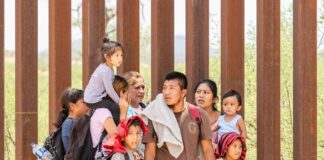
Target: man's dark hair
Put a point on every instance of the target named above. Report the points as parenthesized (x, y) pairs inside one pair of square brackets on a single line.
[(179, 76)]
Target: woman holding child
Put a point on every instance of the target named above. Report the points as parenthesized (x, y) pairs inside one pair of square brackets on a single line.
[(206, 98), (225, 141), (106, 94), (102, 118)]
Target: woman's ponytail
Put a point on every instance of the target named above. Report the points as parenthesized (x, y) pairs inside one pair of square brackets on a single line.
[(64, 113), (69, 95)]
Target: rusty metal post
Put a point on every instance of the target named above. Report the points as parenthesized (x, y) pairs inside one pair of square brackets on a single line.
[(59, 54), (232, 47), (268, 79), (305, 80), (2, 120), (197, 43), (162, 42), (93, 30), (26, 78), (128, 33)]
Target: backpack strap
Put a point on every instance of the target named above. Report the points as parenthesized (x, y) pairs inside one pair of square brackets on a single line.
[(126, 156), (194, 113), (92, 112), (103, 135), (142, 105)]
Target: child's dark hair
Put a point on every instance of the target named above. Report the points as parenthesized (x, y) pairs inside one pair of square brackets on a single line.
[(213, 87), (231, 93), (179, 76), (108, 48), (135, 122), (120, 84), (69, 95)]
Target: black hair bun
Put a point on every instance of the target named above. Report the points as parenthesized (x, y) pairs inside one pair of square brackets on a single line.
[(105, 40)]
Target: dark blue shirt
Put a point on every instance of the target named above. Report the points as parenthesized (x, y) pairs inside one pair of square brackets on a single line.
[(66, 131)]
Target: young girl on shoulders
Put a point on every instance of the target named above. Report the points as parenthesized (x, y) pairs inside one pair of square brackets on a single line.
[(100, 84)]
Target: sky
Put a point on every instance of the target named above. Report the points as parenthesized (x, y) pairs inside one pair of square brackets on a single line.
[(250, 17)]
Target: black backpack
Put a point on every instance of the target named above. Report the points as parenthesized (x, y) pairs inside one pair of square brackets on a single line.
[(80, 143), (54, 144)]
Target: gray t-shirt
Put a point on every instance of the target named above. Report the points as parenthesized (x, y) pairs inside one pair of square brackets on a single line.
[(120, 156), (100, 84)]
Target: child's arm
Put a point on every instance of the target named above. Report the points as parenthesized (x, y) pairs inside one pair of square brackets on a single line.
[(242, 128), (110, 127), (107, 79)]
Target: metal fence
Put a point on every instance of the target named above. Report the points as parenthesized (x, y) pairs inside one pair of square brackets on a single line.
[(197, 67)]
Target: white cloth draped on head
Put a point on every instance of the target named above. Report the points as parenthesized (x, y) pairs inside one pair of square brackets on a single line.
[(165, 125)]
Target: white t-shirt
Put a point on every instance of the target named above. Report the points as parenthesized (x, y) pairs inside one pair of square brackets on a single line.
[(97, 125), (138, 110)]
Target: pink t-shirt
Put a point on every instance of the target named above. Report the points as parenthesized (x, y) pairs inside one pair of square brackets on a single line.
[(97, 125)]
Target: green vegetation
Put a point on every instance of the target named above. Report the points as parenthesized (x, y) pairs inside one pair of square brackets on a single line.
[(9, 108)]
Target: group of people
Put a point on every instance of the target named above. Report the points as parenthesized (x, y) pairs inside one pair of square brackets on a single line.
[(168, 128)]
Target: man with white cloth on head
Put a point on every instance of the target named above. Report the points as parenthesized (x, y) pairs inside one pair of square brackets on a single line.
[(173, 133)]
